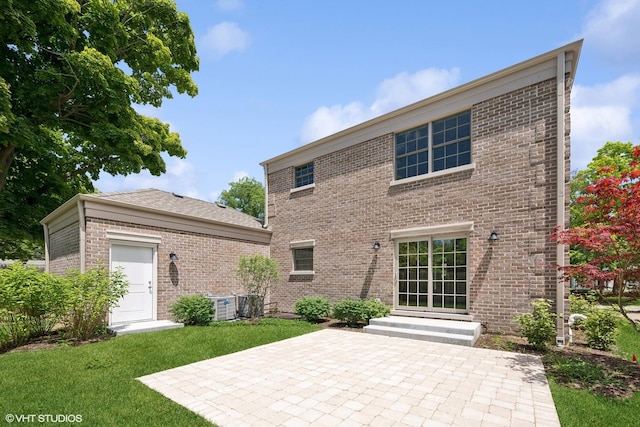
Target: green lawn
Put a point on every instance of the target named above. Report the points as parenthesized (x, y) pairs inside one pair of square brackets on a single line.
[(583, 408), (98, 381)]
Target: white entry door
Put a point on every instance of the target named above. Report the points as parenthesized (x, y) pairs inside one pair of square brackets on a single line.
[(136, 262)]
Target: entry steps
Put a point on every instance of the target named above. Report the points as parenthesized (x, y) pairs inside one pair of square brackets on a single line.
[(435, 330), (146, 326)]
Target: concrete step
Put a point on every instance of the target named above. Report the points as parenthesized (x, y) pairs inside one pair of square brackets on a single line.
[(148, 326), (435, 330)]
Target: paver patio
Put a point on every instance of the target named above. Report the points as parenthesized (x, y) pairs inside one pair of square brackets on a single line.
[(339, 378)]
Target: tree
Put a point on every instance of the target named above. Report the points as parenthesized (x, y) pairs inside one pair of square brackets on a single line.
[(610, 230), (258, 275), (246, 195), (70, 73), (612, 154)]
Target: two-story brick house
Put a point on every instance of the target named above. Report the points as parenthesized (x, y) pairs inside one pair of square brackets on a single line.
[(442, 208)]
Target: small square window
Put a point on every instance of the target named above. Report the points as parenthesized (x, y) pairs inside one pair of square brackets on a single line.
[(303, 259)]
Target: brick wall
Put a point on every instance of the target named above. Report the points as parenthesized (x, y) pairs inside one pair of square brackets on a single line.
[(512, 190), (64, 247), (206, 263)]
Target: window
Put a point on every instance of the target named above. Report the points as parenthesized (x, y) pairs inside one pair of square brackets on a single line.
[(304, 174), (448, 147), (432, 274), (303, 259)]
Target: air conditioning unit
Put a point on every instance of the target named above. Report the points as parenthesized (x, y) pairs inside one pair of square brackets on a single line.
[(244, 308), (225, 307)]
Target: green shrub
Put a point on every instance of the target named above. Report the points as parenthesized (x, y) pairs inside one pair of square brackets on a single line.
[(258, 275), (193, 310), (600, 329), (90, 297), (538, 327), (581, 304), (353, 312), (31, 303), (375, 309), (312, 309)]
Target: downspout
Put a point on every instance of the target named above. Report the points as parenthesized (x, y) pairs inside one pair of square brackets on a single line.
[(560, 190), (83, 237), (265, 224), (46, 247)]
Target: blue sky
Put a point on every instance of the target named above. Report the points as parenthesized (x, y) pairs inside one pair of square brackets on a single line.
[(277, 74)]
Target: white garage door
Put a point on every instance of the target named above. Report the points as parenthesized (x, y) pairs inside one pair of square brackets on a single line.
[(137, 263)]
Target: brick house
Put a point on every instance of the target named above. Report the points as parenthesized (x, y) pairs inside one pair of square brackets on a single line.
[(138, 231), (442, 208)]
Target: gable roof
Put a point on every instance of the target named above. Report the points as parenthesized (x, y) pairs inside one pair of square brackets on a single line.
[(153, 207), (159, 200)]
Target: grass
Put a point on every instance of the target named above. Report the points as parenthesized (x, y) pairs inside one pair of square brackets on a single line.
[(98, 381), (627, 341), (583, 407)]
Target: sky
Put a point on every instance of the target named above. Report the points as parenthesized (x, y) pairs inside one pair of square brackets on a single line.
[(275, 75)]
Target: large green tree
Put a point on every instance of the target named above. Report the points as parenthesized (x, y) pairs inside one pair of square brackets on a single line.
[(71, 72), (246, 195)]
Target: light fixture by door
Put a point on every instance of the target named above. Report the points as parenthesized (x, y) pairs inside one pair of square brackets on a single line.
[(173, 257)]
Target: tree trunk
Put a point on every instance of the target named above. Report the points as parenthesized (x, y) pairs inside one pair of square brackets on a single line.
[(7, 154)]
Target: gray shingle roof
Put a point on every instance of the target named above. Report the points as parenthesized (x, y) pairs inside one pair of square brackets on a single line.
[(172, 203)]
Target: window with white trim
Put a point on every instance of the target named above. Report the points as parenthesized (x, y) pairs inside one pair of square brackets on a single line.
[(432, 274), (304, 175), (302, 253), (436, 146), (303, 259)]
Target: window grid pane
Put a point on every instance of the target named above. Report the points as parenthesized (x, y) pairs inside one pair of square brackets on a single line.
[(450, 146), (304, 175), (303, 259), (412, 152), (446, 266), (451, 141)]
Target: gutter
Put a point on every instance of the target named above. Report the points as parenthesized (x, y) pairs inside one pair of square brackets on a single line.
[(265, 224), (560, 193)]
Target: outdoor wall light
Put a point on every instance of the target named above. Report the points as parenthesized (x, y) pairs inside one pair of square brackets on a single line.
[(493, 237), (173, 257), (376, 246)]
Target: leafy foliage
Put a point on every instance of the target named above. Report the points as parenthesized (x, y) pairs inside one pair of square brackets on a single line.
[(312, 309), (246, 195), (70, 72), (258, 275), (354, 312), (193, 310), (31, 303), (610, 231), (600, 329), (617, 155), (539, 327), (90, 297)]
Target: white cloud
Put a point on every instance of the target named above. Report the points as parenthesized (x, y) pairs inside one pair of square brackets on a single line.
[(180, 178), (225, 38), (229, 5), (405, 88), (602, 113), (611, 28), (393, 93), (239, 175)]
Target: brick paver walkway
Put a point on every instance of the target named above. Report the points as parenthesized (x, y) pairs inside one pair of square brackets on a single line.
[(340, 378)]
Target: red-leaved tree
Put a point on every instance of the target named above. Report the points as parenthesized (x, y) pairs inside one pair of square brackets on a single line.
[(610, 233)]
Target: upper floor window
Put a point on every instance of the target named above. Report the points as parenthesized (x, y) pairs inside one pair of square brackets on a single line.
[(442, 144), (304, 174)]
